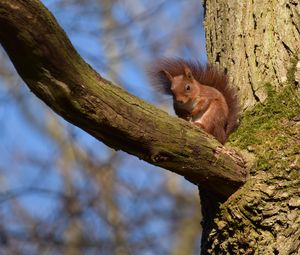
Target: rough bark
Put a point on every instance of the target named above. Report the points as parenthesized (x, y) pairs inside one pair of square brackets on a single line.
[(52, 69), (258, 43), (210, 207), (253, 41)]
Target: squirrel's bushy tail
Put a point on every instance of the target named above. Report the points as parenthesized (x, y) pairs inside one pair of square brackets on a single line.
[(204, 74)]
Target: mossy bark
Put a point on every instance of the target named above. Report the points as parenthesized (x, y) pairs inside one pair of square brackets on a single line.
[(50, 66), (263, 217), (257, 42)]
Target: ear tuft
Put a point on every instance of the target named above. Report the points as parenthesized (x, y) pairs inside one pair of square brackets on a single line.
[(188, 72)]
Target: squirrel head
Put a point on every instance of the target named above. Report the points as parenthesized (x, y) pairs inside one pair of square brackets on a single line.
[(183, 87)]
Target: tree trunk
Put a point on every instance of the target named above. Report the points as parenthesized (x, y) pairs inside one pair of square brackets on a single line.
[(257, 43), (254, 41)]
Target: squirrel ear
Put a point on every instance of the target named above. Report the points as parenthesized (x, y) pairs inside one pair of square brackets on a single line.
[(169, 76), (188, 73)]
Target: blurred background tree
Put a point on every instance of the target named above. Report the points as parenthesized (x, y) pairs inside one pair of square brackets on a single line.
[(63, 192)]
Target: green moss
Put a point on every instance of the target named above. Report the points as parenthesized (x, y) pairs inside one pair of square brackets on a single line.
[(265, 122), (263, 164), (271, 131)]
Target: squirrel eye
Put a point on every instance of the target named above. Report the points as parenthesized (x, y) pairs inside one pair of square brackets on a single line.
[(187, 87)]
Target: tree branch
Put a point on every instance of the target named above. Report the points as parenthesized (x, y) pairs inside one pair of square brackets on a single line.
[(46, 60)]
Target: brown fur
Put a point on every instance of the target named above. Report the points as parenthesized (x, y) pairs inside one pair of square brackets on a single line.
[(220, 117)]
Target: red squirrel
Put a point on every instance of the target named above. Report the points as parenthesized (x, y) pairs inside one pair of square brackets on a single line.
[(201, 94)]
